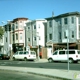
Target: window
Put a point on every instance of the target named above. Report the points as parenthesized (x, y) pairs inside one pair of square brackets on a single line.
[(28, 39), (50, 23), (39, 38), (13, 37), (34, 26), (20, 52), (65, 21), (39, 26), (79, 20), (65, 36), (26, 52), (33, 53), (6, 39), (13, 26), (20, 36), (72, 34), (61, 52), (16, 53), (72, 19), (59, 35), (55, 53), (35, 38), (70, 52), (50, 36), (16, 26), (16, 36), (78, 52), (28, 27)]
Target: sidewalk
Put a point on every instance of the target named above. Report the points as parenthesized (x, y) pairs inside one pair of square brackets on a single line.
[(61, 74), (41, 60)]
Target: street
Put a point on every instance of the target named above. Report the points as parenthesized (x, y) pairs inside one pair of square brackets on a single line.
[(13, 75), (32, 64)]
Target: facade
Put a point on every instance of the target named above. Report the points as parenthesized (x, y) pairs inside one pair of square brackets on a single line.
[(6, 39), (35, 33), (15, 35), (2, 44), (62, 29), (18, 33)]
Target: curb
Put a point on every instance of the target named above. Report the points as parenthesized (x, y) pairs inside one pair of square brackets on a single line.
[(49, 76), (34, 73)]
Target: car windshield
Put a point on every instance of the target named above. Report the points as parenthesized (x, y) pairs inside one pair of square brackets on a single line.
[(55, 53)]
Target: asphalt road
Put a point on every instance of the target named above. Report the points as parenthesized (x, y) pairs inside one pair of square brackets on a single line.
[(13, 75), (73, 66)]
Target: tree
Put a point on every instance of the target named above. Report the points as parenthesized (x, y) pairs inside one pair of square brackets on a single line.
[(1, 32)]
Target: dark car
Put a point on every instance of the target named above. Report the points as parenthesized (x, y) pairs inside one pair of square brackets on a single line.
[(4, 57)]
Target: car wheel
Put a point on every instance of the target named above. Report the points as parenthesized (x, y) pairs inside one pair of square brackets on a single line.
[(50, 60), (70, 60), (25, 59)]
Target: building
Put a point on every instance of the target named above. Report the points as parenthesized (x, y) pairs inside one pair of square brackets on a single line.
[(15, 35), (62, 29), (35, 33), (2, 44)]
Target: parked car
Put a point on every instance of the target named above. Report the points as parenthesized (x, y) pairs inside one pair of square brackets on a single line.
[(62, 55), (24, 55), (4, 56)]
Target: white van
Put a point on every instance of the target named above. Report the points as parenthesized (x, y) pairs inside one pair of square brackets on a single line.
[(64, 55), (25, 55)]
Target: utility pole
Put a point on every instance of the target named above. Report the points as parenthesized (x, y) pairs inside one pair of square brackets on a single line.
[(52, 30)]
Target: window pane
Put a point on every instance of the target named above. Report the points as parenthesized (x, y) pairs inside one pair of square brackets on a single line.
[(65, 21), (34, 26), (16, 36), (50, 36), (50, 23), (20, 52), (72, 34), (61, 52), (65, 35), (35, 38), (79, 20), (72, 19), (55, 53), (78, 52), (70, 52), (28, 39)]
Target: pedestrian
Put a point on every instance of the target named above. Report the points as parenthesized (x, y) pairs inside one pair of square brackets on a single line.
[(40, 55)]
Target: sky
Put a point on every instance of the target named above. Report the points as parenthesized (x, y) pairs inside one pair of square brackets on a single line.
[(35, 9)]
